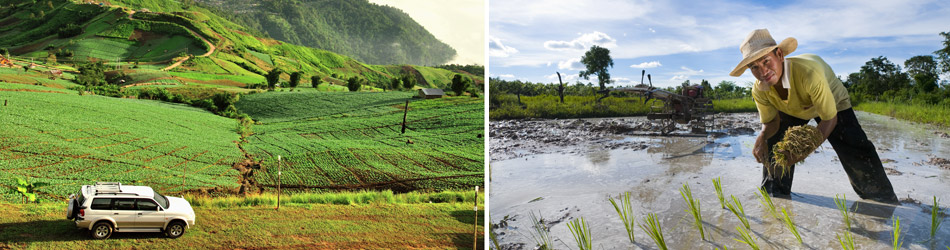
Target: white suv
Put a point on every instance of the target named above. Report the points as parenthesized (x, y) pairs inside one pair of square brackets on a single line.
[(111, 206)]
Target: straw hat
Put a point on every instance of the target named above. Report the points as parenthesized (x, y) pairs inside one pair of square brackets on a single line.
[(758, 44)]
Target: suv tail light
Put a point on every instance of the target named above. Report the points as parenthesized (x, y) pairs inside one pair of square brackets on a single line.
[(82, 212)]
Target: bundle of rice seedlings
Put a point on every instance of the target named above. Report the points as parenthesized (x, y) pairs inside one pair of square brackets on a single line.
[(799, 142), (541, 233), (736, 208)]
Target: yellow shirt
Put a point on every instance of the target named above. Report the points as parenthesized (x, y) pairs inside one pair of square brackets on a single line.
[(813, 91)]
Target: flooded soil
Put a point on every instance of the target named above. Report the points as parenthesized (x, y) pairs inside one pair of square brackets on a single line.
[(562, 170)]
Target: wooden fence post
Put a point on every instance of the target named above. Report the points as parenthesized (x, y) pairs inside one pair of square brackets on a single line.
[(404, 114)]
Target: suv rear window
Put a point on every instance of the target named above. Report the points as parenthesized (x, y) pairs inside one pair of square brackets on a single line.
[(124, 204), (101, 204)]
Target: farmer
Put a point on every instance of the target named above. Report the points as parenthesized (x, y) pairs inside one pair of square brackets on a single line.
[(791, 91)]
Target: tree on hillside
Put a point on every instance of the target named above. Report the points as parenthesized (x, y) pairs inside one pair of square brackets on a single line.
[(396, 83), (923, 70), (944, 53), (408, 81), (91, 74), (354, 83), (295, 79), (878, 76), (272, 77), (315, 81), (597, 60), (459, 84)]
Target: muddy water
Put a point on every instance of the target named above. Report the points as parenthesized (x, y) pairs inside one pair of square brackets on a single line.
[(562, 181)]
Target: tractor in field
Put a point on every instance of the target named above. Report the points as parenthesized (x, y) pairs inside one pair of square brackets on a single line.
[(688, 107), (4, 62)]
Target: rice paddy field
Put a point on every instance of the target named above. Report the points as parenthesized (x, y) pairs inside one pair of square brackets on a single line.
[(354, 140), (558, 172)]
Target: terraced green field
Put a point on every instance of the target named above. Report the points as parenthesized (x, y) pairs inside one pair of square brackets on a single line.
[(354, 140), (56, 136)]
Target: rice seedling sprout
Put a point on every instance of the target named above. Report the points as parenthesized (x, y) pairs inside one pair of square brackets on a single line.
[(717, 183), (651, 226), (581, 233), (541, 234), (747, 238), (766, 201), (736, 207), (843, 208), (693, 208), (847, 241), (791, 225), (897, 232), (625, 211), (935, 219)]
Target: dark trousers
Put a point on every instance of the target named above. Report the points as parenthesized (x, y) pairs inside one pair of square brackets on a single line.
[(856, 152)]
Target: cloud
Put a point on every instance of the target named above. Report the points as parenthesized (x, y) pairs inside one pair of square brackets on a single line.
[(652, 30), (506, 76), (571, 64), (686, 73), (583, 42), (679, 78), (566, 78), (647, 65), (497, 49), (622, 81)]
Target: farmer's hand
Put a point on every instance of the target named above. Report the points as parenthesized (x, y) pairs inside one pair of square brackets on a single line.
[(760, 151), (789, 160)]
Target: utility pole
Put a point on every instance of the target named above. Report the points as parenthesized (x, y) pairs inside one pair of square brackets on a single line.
[(404, 114), (279, 168)]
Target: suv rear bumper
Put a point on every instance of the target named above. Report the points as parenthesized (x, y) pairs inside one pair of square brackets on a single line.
[(80, 223)]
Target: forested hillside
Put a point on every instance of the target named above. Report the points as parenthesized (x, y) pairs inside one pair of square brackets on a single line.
[(365, 31)]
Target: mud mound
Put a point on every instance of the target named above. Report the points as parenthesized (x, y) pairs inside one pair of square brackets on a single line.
[(940, 162)]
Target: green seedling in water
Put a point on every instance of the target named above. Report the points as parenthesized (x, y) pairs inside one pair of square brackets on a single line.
[(766, 201), (736, 207), (693, 208), (935, 219), (625, 211), (847, 242), (747, 238), (842, 205), (897, 232), (717, 183), (651, 225), (791, 225), (581, 233), (541, 234)]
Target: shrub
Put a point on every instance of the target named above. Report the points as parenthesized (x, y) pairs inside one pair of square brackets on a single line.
[(315, 81), (354, 83), (70, 30)]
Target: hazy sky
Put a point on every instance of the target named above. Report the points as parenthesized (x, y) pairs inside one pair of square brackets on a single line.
[(682, 40), (458, 23)]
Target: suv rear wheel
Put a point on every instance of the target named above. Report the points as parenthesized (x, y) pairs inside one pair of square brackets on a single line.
[(102, 230), (175, 229)]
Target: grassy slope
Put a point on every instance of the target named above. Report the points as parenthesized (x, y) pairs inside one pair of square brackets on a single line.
[(353, 140), (440, 226), (934, 114), (70, 140), (240, 58)]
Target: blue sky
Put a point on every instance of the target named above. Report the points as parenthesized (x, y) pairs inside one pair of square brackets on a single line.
[(679, 40), (458, 23)]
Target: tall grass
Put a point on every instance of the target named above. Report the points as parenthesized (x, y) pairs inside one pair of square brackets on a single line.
[(651, 225), (934, 114), (717, 183), (935, 219), (747, 238), (581, 233), (625, 211), (337, 198), (791, 225), (734, 105), (540, 233), (693, 207), (736, 207), (897, 232)]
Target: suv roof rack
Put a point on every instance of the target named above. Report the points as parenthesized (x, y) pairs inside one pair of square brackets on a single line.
[(108, 187)]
